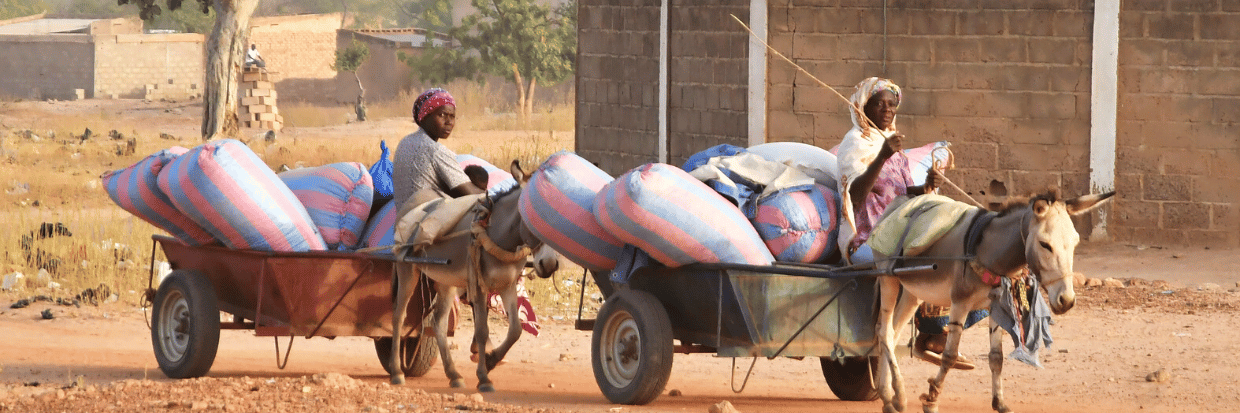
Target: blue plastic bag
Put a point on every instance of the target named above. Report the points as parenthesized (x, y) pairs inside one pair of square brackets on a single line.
[(381, 172)]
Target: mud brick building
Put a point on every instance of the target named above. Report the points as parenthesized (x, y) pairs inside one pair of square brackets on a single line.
[(1142, 97)]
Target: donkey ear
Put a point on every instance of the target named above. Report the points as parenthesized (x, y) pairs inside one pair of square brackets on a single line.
[(1040, 207), (1083, 204), (515, 170)]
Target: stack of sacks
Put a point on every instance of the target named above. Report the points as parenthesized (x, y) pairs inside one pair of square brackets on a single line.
[(381, 230), (816, 162), (224, 187), (135, 190), (558, 206), (337, 197), (498, 180), (801, 225), (677, 219)]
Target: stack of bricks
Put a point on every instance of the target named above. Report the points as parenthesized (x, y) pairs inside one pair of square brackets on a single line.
[(258, 101)]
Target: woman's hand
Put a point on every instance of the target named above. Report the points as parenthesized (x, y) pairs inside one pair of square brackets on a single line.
[(934, 180), (893, 144)]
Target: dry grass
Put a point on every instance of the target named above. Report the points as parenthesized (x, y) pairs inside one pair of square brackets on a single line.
[(56, 179)]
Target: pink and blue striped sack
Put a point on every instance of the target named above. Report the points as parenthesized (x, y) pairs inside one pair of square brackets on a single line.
[(337, 197), (226, 189), (498, 180), (135, 189), (558, 206), (381, 230), (677, 219), (799, 226)]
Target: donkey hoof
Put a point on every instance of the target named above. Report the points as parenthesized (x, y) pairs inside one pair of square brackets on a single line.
[(398, 380), (457, 383), (486, 388), (890, 409), (926, 408)]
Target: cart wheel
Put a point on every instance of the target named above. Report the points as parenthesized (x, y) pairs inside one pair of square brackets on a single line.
[(849, 377), (185, 325), (414, 365), (631, 349)]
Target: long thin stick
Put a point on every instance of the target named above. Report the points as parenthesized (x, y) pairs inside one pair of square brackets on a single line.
[(860, 113)]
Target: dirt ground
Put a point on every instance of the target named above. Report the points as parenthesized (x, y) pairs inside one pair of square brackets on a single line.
[(1172, 316)]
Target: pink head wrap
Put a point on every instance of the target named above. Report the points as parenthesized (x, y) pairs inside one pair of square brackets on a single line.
[(430, 100)]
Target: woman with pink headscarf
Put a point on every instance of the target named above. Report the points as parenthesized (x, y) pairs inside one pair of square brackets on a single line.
[(421, 162)]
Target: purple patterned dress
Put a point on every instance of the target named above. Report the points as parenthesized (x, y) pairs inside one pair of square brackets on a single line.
[(893, 180)]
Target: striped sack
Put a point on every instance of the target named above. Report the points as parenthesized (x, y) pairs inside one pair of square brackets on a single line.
[(558, 206), (225, 188), (498, 180), (677, 219), (135, 190), (381, 229), (799, 226), (338, 198)]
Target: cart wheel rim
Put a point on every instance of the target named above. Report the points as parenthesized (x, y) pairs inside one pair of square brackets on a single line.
[(174, 326), (621, 349)]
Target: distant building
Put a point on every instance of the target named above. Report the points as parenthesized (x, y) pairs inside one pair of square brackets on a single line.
[(87, 58), (383, 74)]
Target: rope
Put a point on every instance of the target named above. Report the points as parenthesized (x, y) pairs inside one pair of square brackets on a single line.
[(481, 238), (860, 113)]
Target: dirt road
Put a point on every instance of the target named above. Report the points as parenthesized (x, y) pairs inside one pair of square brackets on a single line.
[(100, 358)]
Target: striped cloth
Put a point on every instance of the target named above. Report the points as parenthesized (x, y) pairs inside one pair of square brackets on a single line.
[(135, 189), (224, 187)]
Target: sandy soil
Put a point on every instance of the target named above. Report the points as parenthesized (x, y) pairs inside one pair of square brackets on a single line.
[(1175, 316)]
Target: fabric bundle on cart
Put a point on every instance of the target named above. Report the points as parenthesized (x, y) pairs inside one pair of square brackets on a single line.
[(809, 159), (381, 228), (224, 187), (677, 219), (800, 225), (136, 190), (337, 197), (558, 206), (498, 180)]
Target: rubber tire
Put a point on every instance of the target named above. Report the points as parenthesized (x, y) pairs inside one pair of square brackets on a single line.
[(414, 365), (638, 316), (185, 325), (849, 378)]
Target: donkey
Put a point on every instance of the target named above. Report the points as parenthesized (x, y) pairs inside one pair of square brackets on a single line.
[(1038, 233), (488, 254)]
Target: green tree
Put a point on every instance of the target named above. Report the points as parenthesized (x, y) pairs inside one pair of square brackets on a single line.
[(515, 39), (10, 9), (349, 60), (225, 46)]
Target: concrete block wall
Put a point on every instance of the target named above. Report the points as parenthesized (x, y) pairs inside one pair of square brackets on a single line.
[(1006, 82), (46, 67), (131, 66), (1178, 160), (617, 83), (709, 76), (299, 51)]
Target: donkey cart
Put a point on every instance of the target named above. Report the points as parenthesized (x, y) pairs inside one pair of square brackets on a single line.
[(317, 293), (734, 310)]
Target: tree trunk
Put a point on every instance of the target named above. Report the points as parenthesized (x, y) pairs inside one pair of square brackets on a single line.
[(516, 74), (225, 55), (529, 98)]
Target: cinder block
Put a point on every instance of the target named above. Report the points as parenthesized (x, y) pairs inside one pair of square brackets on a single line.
[(260, 92), (1167, 188), (1185, 215), (264, 116), (253, 76), (1135, 213)]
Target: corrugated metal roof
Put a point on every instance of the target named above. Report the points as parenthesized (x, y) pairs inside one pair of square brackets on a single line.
[(412, 39), (48, 26)]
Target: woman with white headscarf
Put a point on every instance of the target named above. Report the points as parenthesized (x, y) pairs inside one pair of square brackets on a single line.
[(873, 170)]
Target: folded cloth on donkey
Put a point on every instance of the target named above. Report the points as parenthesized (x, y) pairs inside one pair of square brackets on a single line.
[(422, 223), (939, 214)]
